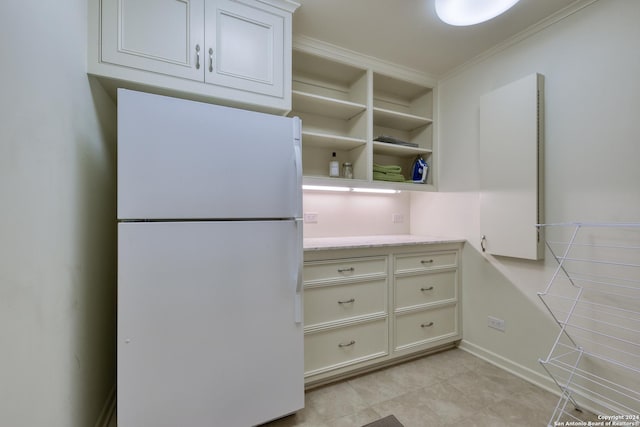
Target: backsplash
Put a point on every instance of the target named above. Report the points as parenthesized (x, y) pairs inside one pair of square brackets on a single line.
[(352, 214)]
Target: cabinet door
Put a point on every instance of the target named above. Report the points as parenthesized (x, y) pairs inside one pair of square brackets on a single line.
[(163, 36), (511, 169), (245, 47)]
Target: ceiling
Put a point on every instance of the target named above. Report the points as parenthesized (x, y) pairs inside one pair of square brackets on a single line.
[(408, 33)]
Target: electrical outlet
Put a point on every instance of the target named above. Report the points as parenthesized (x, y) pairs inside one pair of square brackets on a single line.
[(397, 218), (495, 323), (311, 218)]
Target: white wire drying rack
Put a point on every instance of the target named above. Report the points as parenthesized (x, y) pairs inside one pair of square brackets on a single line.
[(594, 296)]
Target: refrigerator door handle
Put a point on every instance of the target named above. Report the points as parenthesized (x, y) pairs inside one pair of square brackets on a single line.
[(297, 147), (298, 276)]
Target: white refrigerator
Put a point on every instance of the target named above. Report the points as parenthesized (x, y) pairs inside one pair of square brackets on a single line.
[(209, 264)]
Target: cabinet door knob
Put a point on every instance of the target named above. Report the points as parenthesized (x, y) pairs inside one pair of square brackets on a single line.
[(348, 301), (426, 325), (350, 343), (197, 57), (430, 288), (210, 60)]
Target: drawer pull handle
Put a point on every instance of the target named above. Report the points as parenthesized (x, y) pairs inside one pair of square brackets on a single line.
[(349, 344), (349, 301), (426, 261), (426, 325), (430, 288), (346, 270)]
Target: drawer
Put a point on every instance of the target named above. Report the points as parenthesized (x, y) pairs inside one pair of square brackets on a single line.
[(425, 288), (331, 349), (337, 302), (345, 268), (420, 327), (425, 260)]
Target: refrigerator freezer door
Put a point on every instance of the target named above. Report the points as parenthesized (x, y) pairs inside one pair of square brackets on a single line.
[(206, 326), (180, 159)]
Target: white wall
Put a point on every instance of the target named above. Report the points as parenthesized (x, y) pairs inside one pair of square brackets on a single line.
[(355, 214), (591, 66), (57, 221)]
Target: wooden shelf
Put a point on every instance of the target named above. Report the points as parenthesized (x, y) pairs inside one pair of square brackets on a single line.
[(323, 140), (398, 150), (397, 120), (325, 181), (325, 106)]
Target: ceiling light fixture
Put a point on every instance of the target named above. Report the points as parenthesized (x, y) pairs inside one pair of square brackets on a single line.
[(470, 12)]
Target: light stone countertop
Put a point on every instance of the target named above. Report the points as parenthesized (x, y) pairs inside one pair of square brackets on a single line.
[(352, 242)]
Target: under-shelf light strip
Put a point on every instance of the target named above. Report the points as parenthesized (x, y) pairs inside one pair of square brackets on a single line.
[(350, 189), (375, 190)]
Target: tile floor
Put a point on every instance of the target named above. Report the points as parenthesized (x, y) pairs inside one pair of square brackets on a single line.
[(452, 388)]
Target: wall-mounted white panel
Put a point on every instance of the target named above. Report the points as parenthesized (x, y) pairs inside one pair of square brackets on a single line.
[(511, 172)]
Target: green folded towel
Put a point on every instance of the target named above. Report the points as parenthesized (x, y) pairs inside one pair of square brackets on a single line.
[(381, 176), (387, 169), (387, 173)]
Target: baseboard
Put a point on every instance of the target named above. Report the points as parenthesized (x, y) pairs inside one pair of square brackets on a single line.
[(108, 410)]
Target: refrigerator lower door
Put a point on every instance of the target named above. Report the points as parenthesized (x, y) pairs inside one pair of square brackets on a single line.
[(207, 331)]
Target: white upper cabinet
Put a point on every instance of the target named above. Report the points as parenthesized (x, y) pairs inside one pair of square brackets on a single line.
[(234, 52), (160, 36), (244, 47)]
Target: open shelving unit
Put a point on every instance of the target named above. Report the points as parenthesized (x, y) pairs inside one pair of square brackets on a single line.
[(346, 101), (402, 110), (594, 297), (331, 99)]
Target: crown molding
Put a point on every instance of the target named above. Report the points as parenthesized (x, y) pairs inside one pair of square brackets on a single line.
[(287, 5)]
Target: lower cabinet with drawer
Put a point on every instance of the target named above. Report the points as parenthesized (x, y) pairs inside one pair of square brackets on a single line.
[(330, 349), (374, 306), (417, 328)]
